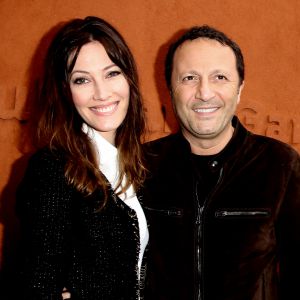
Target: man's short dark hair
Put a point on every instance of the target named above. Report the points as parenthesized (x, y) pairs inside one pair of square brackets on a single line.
[(207, 32)]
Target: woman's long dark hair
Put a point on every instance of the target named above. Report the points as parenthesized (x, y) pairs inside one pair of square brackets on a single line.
[(60, 125)]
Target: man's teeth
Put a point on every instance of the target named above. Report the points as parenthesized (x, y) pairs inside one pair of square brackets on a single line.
[(205, 110)]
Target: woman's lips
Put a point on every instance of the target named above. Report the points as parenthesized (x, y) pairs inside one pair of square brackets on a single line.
[(105, 109)]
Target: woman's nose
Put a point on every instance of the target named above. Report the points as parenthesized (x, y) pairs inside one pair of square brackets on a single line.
[(101, 91)]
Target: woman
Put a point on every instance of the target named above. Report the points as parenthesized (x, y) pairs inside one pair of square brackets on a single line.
[(83, 228)]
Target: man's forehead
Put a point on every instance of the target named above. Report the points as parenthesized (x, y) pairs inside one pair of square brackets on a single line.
[(203, 42), (204, 51)]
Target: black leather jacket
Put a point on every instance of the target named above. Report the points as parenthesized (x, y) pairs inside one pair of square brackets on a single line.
[(67, 242), (243, 243)]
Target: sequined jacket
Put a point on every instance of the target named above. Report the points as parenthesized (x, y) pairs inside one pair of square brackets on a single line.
[(243, 243), (67, 242)]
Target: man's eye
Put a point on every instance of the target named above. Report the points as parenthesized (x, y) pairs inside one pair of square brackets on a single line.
[(221, 77), (80, 80), (189, 78)]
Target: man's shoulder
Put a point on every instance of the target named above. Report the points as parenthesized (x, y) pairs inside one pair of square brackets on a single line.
[(162, 139), (164, 144), (275, 147)]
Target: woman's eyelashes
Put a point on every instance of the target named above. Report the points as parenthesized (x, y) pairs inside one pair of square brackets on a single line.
[(113, 73), (79, 80)]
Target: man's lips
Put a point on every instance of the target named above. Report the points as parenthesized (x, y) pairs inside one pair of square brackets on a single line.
[(205, 110)]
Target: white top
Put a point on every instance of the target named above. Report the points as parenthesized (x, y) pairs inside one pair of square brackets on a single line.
[(108, 155)]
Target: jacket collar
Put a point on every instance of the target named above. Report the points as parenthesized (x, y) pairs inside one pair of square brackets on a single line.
[(233, 147)]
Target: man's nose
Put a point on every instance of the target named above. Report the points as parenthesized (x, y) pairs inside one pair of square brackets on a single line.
[(204, 90)]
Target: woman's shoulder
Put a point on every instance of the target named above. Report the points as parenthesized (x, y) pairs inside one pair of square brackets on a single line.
[(47, 155), (44, 181), (46, 161)]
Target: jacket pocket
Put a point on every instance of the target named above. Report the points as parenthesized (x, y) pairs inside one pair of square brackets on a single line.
[(243, 213)]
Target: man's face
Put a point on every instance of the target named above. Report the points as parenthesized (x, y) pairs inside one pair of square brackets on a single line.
[(205, 89)]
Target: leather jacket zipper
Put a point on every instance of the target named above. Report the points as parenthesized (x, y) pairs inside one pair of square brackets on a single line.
[(198, 242), (199, 236)]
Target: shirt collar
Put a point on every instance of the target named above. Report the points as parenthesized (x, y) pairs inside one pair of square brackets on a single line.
[(107, 154)]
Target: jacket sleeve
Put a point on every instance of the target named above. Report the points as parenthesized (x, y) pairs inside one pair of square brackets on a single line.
[(44, 209), (289, 235)]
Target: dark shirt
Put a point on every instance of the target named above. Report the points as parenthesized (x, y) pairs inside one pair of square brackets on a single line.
[(207, 170)]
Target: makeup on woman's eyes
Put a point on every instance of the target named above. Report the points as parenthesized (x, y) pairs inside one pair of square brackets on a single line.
[(81, 76), (113, 73), (80, 80)]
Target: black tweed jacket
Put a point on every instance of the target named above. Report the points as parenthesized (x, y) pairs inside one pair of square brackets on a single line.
[(67, 242)]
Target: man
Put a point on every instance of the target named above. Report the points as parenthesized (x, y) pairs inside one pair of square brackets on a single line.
[(223, 204)]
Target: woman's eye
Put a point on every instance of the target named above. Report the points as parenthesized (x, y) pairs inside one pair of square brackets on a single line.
[(113, 74), (80, 80)]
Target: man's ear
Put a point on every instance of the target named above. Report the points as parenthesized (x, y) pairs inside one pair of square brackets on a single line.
[(240, 91)]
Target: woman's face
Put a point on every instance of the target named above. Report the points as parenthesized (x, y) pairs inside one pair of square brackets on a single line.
[(100, 91)]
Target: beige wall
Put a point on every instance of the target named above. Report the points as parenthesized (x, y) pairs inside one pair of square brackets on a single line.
[(268, 32)]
